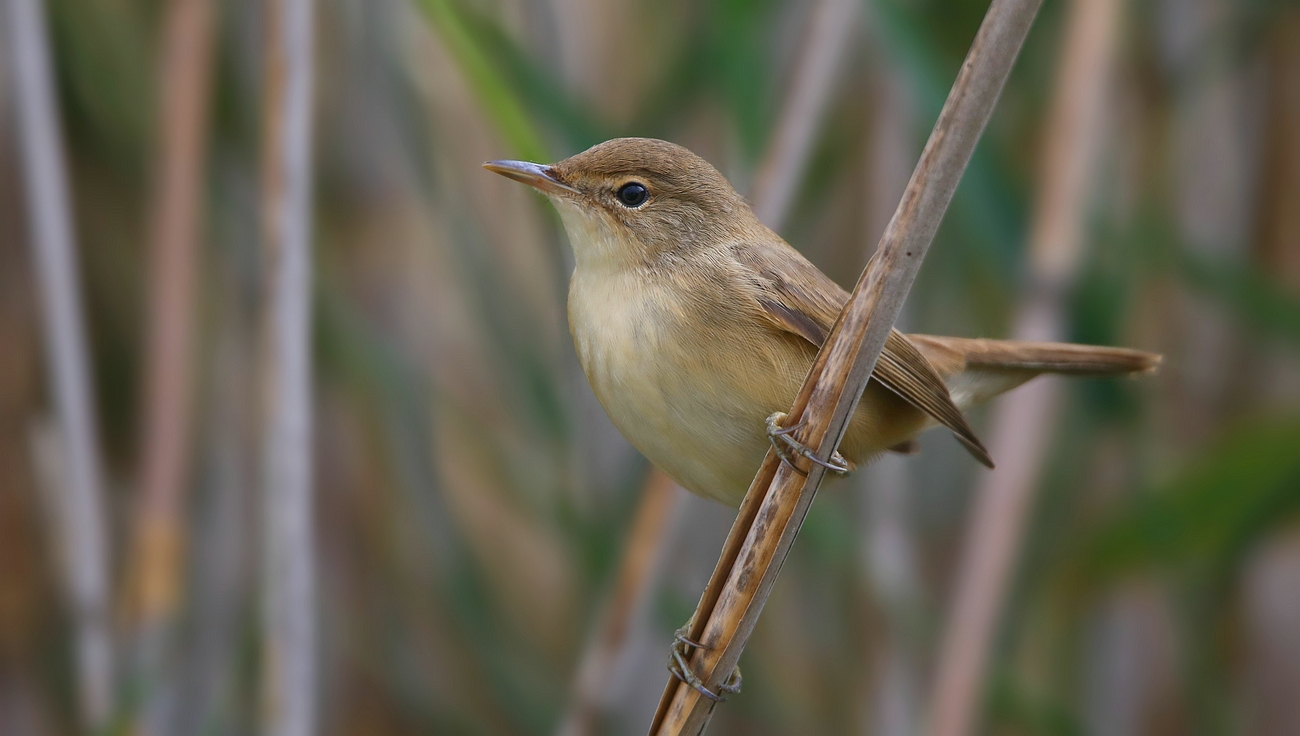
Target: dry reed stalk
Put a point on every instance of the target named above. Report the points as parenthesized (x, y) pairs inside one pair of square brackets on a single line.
[(651, 527), (1018, 435), (288, 549), (155, 571), (78, 499), (221, 541), (779, 496), (820, 59)]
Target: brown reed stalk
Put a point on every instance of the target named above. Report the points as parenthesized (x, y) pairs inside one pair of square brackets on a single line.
[(778, 498), (155, 571), (646, 542), (819, 61), (288, 547), (78, 492), (1019, 436)]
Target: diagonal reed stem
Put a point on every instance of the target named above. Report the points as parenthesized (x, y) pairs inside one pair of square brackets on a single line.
[(82, 526), (778, 499), (643, 554), (819, 61)]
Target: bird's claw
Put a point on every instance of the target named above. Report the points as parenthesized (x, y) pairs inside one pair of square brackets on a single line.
[(681, 669), (784, 444)]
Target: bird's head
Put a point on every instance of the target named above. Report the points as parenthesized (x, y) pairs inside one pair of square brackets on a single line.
[(631, 201)]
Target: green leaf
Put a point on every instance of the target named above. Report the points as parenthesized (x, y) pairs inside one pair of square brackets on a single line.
[(535, 85), (1252, 294), (1012, 705), (486, 81), (1238, 491)]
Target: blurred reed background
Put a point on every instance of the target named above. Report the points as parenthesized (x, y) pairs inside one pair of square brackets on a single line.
[(490, 557)]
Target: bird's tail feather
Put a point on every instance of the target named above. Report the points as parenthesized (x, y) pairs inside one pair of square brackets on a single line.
[(976, 370), (1055, 357)]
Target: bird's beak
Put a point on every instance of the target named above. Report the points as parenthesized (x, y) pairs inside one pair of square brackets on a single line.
[(537, 175)]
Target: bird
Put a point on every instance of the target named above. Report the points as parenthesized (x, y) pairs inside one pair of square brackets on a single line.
[(695, 325)]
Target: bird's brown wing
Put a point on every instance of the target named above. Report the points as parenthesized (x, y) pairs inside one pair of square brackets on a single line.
[(907, 373), (802, 300)]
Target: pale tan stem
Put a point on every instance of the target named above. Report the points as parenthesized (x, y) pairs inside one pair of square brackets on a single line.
[(820, 59), (646, 542), (1018, 436), (779, 497), (158, 557)]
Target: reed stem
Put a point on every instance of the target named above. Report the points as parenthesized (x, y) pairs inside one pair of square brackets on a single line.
[(78, 489), (779, 497), (289, 655)]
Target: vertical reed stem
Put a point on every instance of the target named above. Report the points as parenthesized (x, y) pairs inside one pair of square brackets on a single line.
[(158, 556), (289, 572), (1019, 436)]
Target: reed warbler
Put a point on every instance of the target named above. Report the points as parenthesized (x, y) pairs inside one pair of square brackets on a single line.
[(696, 324)]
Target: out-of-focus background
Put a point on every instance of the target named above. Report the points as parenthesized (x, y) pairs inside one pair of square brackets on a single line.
[(489, 555)]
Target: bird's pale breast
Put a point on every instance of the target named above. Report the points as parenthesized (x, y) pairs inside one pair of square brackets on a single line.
[(692, 399)]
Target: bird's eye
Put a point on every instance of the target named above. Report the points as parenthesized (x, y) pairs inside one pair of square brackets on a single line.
[(633, 194)]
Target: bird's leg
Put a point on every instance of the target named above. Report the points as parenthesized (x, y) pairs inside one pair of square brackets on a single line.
[(681, 669), (784, 445)]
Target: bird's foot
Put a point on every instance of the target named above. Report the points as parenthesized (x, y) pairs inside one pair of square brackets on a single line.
[(681, 669), (786, 446)]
